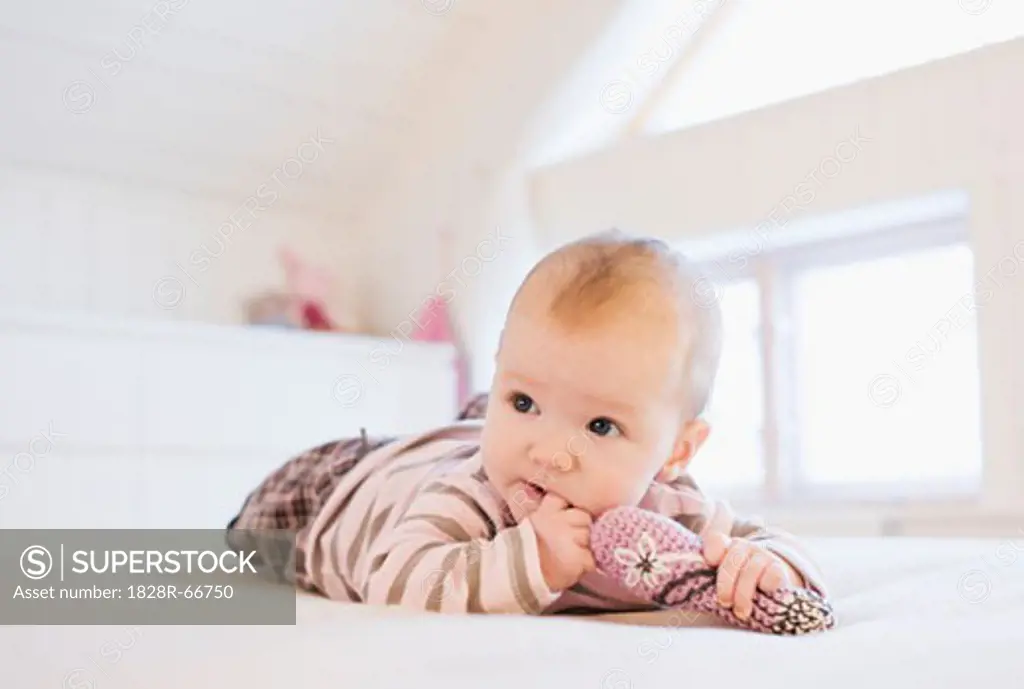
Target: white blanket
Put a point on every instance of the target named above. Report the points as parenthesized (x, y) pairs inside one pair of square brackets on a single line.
[(912, 613)]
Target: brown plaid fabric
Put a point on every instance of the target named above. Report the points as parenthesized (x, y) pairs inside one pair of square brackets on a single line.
[(278, 512), (288, 500), (475, 408)]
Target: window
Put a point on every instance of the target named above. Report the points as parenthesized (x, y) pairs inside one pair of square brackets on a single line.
[(849, 366), (736, 410)]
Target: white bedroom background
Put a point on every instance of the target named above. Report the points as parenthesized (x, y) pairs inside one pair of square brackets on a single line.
[(155, 158), (116, 180), (930, 143), (143, 134)]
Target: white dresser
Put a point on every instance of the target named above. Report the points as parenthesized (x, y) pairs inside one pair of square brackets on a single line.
[(115, 424)]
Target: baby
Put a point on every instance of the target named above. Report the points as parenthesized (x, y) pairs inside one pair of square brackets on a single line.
[(604, 367)]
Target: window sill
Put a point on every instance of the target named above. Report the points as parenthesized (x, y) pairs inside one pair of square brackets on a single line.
[(963, 492), (935, 517), (923, 509)]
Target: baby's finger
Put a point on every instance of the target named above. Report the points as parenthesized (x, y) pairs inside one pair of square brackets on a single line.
[(715, 546), (581, 537), (722, 519), (577, 517), (746, 583), (774, 578), (729, 571), (589, 565), (552, 503)]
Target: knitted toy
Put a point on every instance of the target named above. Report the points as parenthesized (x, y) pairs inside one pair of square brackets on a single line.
[(660, 561)]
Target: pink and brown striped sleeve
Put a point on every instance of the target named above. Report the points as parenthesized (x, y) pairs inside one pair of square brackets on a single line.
[(453, 551)]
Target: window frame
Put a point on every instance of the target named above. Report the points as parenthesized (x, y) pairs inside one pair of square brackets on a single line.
[(771, 267)]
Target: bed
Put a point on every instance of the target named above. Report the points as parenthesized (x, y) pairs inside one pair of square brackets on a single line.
[(912, 613)]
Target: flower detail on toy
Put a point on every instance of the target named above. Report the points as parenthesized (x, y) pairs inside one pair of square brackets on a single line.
[(645, 564)]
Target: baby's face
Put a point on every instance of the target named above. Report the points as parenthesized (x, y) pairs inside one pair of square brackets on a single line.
[(591, 416)]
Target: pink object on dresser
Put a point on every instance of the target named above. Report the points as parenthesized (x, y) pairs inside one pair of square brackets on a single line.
[(434, 324)]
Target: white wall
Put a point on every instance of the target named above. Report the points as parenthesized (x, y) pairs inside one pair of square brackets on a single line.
[(953, 124), (132, 130), (71, 244)]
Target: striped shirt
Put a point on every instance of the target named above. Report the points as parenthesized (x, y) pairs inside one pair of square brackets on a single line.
[(416, 523)]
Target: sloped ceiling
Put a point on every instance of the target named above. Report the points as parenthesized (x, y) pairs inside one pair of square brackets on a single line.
[(765, 53), (213, 96)]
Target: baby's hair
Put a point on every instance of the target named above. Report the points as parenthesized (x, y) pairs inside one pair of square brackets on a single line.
[(613, 273)]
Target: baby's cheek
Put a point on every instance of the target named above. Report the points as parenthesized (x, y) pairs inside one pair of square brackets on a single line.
[(494, 444), (620, 489)]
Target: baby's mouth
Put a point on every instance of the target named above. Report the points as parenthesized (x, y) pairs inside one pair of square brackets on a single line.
[(533, 494), (536, 491)]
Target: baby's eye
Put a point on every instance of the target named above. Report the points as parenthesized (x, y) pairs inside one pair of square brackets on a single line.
[(522, 403), (602, 426)]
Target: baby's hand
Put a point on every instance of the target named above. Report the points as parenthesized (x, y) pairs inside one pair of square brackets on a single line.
[(743, 568), (563, 536)]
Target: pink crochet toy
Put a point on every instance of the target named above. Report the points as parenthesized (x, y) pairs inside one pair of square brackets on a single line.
[(660, 561)]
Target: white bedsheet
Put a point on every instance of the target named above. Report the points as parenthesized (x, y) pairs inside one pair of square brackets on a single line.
[(912, 613)]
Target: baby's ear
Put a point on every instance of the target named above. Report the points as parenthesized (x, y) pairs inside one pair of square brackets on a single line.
[(692, 435)]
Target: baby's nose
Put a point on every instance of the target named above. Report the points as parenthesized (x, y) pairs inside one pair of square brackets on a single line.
[(554, 456)]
